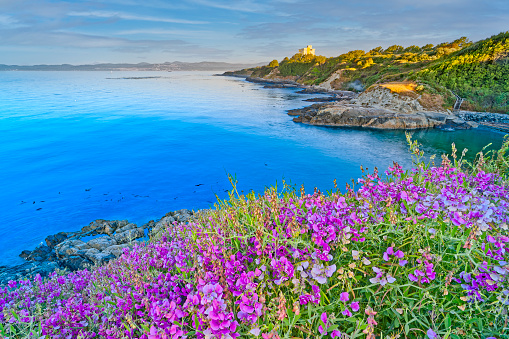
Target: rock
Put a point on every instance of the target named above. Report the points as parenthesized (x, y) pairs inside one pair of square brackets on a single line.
[(101, 226), (129, 235), (126, 228), (161, 225), (41, 253), (101, 258), (355, 115), (74, 263), (25, 254), (70, 247), (118, 250), (101, 243), (382, 97), (56, 239), (183, 215)]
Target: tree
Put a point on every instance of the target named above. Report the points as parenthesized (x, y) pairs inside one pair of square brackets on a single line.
[(274, 63), (394, 49)]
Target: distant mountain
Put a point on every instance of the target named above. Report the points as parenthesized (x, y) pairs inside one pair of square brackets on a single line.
[(143, 66)]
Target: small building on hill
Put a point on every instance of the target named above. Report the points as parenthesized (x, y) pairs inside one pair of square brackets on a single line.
[(308, 50)]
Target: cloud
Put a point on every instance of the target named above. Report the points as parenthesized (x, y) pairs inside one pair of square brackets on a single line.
[(8, 21), (127, 16), (238, 6)]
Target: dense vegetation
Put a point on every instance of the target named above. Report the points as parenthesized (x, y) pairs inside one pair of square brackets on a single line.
[(477, 72), (413, 254)]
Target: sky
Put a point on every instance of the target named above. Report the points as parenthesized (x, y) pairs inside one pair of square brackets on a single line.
[(244, 31)]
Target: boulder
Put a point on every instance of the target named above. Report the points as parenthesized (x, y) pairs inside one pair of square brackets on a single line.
[(41, 253), (129, 235), (101, 226), (70, 247), (117, 250), (101, 243), (25, 254), (56, 239), (74, 263)]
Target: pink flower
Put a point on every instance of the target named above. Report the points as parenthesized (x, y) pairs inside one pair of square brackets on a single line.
[(344, 296), (346, 312), (335, 334), (323, 328), (355, 306)]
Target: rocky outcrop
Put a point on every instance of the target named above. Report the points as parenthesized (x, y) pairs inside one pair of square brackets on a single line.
[(382, 97), (354, 115), (95, 244), (380, 108)]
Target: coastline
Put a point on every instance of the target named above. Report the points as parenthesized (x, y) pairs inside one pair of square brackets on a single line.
[(94, 245), (331, 111)]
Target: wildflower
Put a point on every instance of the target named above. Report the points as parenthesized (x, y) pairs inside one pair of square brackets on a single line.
[(335, 334), (431, 334), (320, 273), (344, 296), (355, 306), (323, 328)]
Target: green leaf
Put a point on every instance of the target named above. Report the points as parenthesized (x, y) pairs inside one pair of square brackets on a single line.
[(458, 248), (448, 321)]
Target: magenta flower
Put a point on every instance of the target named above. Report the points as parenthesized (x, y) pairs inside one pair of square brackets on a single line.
[(355, 306), (344, 296), (335, 334), (323, 327)]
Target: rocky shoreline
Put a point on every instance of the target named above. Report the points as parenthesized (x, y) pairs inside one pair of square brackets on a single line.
[(353, 115), (94, 245), (378, 109)]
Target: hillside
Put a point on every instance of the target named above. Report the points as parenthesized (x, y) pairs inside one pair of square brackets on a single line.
[(478, 72)]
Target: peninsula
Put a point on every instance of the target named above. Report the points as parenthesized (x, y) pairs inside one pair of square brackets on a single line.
[(400, 87)]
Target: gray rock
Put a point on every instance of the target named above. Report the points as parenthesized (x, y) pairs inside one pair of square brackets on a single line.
[(74, 263), (25, 254), (354, 115), (118, 250), (41, 253), (126, 228), (129, 235), (101, 243), (70, 247), (56, 239)]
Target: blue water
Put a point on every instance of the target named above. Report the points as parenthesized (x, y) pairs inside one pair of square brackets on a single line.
[(78, 146)]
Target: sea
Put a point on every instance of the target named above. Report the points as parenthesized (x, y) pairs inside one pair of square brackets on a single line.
[(80, 146)]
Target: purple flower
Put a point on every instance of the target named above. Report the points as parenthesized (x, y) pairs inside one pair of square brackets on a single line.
[(355, 306), (412, 277), (403, 262), (344, 296), (431, 334), (346, 312), (399, 254), (323, 328), (335, 334)]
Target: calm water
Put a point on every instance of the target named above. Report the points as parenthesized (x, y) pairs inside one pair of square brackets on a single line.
[(77, 146)]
